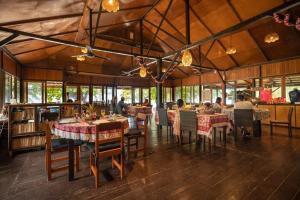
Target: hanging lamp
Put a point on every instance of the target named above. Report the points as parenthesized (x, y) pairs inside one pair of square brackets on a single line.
[(111, 5)]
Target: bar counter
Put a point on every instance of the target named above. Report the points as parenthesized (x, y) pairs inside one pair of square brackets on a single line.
[(280, 112)]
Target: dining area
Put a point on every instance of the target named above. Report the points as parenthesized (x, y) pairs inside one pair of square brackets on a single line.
[(152, 99)]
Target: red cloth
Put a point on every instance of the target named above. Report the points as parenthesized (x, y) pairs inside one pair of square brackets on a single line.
[(266, 95)]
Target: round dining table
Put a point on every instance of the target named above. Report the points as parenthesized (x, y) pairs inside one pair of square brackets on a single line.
[(134, 110), (72, 129)]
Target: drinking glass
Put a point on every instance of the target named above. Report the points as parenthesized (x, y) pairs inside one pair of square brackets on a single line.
[(103, 113)]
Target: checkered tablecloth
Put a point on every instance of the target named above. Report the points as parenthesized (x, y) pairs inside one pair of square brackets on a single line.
[(85, 131), (171, 116), (134, 110), (259, 114), (206, 123)]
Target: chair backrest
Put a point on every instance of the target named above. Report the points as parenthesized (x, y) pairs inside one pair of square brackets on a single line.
[(243, 117), (46, 126), (291, 109), (141, 122), (163, 117), (49, 116), (109, 127), (188, 121)]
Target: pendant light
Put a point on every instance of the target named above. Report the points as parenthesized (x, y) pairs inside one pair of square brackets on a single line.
[(111, 5), (143, 71), (231, 50), (187, 58), (271, 37)]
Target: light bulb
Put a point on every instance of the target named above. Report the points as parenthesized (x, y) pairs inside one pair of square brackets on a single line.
[(143, 71), (187, 58), (111, 5)]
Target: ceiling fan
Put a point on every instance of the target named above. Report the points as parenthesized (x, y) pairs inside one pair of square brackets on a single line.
[(87, 51)]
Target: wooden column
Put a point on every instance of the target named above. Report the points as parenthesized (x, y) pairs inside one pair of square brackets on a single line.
[(2, 80), (90, 94), (283, 87), (64, 99), (159, 85), (224, 92)]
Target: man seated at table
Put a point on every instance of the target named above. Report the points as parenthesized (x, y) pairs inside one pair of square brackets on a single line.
[(217, 107), (122, 107), (242, 104), (146, 103), (180, 104)]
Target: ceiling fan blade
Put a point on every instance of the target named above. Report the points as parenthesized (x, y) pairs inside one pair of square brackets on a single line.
[(78, 55), (101, 57)]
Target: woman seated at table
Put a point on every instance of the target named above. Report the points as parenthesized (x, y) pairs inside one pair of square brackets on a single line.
[(242, 104), (146, 103), (217, 107), (176, 125), (180, 104)]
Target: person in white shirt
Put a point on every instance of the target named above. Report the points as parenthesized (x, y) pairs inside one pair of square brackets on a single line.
[(242, 104), (217, 107)]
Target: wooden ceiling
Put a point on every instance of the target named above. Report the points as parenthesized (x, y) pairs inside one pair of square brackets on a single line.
[(68, 20)]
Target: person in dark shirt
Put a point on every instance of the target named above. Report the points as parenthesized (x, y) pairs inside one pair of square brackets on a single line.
[(121, 107), (294, 95), (68, 98)]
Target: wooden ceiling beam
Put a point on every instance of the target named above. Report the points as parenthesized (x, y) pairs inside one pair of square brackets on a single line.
[(164, 42), (33, 50), (240, 26), (210, 31), (97, 22), (8, 39), (74, 31), (149, 10), (249, 32), (159, 26), (70, 43), (41, 19)]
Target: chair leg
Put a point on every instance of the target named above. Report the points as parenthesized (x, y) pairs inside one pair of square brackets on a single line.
[(290, 130), (91, 157), (77, 158), (122, 165), (128, 145), (136, 143), (49, 164), (271, 129), (190, 137), (97, 176)]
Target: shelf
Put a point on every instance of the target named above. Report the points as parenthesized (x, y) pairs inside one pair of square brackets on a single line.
[(28, 148), (29, 134), (24, 121)]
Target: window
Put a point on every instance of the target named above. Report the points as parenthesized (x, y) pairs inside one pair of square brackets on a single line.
[(206, 94), (54, 92), (126, 93), (97, 93), (145, 94), (72, 91), (196, 94), (153, 96), (137, 93), (177, 93), (230, 96), (188, 94), (84, 92), (292, 82), (275, 85), (109, 94), (216, 92), (34, 92), (8, 88), (18, 91), (167, 94)]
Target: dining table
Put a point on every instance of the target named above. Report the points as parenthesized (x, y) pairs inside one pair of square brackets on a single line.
[(134, 110), (206, 123), (84, 130)]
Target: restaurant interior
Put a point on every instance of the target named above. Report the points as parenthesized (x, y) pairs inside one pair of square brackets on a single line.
[(152, 99)]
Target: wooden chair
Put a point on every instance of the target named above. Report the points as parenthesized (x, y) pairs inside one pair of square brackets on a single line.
[(242, 118), (107, 148), (57, 145), (141, 130), (188, 122), (288, 122), (164, 121)]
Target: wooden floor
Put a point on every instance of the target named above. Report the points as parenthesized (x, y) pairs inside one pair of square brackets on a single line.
[(260, 168)]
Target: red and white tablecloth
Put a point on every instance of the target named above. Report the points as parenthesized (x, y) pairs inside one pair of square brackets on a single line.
[(171, 116), (86, 131), (134, 110), (206, 123)]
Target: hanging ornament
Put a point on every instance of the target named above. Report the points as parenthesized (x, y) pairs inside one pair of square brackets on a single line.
[(231, 50), (111, 5), (187, 58), (143, 71), (271, 37)]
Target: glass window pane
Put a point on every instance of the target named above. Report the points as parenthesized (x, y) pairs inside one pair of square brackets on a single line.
[(196, 94), (292, 83), (137, 95), (153, 96), (109, 94), (18, 91), (34, 92), (126, 93), (188, 94), (8, 87), (84, 90), (54, 92), (177, 93), (145, 94), (71, 92), (97, 93)]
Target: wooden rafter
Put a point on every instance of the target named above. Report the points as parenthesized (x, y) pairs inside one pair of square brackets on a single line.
[(249, 32), (149, 10), (159, 26), (41, 19), (97, 22), (8, 39)]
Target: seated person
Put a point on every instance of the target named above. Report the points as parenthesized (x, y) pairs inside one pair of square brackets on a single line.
[(4, 111), (68, 98), (217, 107), (208, 108), (180, 104), (242, 104), (113, 105), (146, 103), (121, 107)]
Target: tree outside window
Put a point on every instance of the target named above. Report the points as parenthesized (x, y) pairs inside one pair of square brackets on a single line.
[(54, 92), (97, 93), (72, 91), (34, 92), (84, 90)]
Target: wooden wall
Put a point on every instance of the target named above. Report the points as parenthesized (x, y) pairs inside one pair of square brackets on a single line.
[(243, 73), (281, 68), (41, 74), (9, 65)]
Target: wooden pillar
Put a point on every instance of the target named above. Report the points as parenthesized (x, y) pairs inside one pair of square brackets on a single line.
[(260, 78), (159, 85), (90, 94), (224, 92), (64, 99), (2, 80), (234, 91), (283, 87)]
